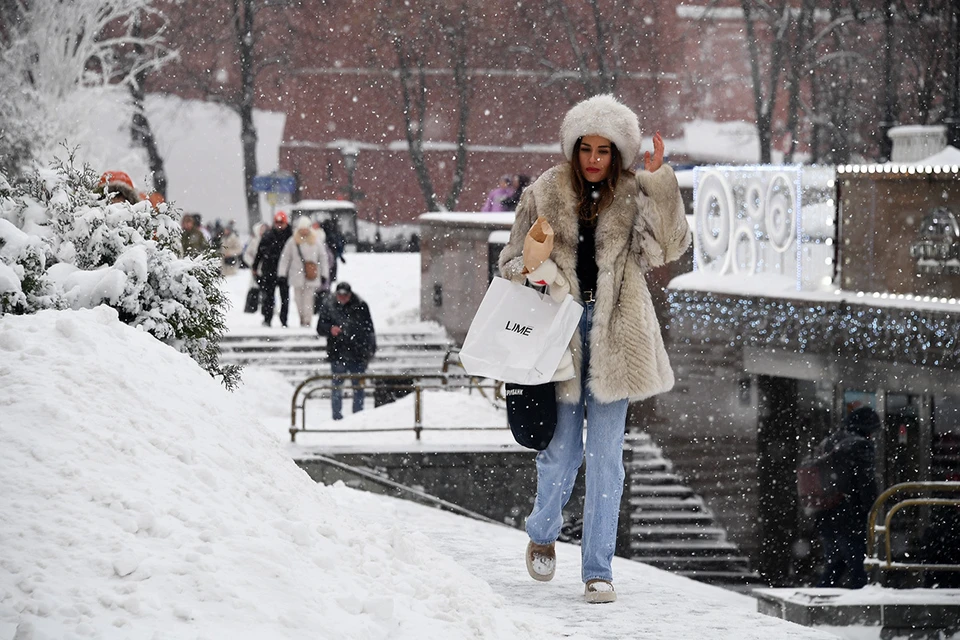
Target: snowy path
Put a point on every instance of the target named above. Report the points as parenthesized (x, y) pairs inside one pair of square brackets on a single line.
[(652, 603)]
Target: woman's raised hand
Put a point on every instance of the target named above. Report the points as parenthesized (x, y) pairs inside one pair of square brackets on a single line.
[(653, 163)]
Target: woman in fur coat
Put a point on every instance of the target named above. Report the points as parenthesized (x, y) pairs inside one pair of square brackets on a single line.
[(609, 226), (306, 245)]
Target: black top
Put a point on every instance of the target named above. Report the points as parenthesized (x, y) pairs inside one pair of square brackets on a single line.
[(270, 248), (357, 341), (856, 468), (587, 247), (587, 257)]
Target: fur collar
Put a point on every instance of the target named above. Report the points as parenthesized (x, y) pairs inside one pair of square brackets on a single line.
[(557, 202)]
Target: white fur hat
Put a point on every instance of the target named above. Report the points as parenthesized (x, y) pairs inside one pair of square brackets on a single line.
[(602, 115)]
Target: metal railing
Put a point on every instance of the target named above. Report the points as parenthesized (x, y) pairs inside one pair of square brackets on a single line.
[(416, 383), (875, 531), (401, 490)]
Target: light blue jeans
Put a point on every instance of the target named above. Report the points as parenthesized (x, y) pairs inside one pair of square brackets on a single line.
[(559, 463)]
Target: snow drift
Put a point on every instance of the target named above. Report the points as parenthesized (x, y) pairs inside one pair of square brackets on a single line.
[(140, 500)]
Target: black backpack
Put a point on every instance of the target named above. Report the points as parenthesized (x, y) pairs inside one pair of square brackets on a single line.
[(822, 478)]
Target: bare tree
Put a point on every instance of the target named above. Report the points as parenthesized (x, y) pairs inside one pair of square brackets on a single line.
[(244, 39), (49, 50), (777, 18), (140, 130), (415, 39), (601, 36)]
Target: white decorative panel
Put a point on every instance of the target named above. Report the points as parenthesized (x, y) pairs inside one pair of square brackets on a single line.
[(755, 220)]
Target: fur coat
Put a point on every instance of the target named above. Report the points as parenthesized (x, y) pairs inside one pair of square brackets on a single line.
[(643, 228), (314, 248)]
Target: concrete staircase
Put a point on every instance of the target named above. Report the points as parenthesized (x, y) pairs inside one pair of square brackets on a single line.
[(671, 527), (298, 353)]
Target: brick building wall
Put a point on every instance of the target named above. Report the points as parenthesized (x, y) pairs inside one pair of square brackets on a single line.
[(336, 80)]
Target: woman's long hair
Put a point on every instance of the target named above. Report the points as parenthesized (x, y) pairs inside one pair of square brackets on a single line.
[(588, 205)]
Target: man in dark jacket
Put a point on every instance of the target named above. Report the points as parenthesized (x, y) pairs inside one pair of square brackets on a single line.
[(264, 268), (843, 529), (351, 342)]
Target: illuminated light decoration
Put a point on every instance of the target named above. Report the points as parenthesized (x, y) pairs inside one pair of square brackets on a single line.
[(922, 337), (777, 220), (744, 238)]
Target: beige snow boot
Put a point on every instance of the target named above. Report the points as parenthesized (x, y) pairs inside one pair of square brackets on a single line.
[(541, 561), (598, 591)]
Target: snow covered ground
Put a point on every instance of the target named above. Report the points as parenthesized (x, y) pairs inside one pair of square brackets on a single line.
[(142, 500), (390, 283)]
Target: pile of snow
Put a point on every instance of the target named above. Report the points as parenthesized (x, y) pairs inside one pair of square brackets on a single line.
[(142, 501)]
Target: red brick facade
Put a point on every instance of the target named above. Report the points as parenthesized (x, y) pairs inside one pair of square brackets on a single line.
[(338, 82)]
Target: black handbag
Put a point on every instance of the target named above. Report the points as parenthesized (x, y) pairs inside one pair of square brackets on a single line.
[(532, 413), (252, 301)]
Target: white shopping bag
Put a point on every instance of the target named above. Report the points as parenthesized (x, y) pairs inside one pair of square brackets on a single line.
[(519, 334)]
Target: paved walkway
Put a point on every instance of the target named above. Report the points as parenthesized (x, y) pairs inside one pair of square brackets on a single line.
[(652, 603)]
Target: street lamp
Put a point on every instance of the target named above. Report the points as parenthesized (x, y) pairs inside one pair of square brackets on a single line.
[(350, 153)]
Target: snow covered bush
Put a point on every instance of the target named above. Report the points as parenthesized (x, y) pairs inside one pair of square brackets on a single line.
[(63, 245)]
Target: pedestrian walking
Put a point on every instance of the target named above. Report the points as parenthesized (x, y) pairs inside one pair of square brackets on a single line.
[(351, 342), (304, 264), (265, 269), (610, 226)]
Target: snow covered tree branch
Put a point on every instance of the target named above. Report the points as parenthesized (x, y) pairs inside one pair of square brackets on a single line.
[(62, 245), (52, 51)]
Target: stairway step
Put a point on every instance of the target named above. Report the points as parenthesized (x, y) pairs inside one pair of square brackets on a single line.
[(658, 503), (697, 563), (666, 490), (652, 516), (682, 547), (671, 533), (654, 478), (723, 577)]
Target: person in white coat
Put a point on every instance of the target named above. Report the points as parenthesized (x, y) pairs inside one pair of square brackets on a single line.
[(305, 251), (609, 224)]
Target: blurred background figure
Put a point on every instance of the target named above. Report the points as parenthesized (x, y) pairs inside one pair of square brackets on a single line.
[(230, 250), (504, 189), (336, 243), (119, 186), (346, 323), (191, 239), (305, 266), (155, 199), (266, 269), (252, 302), (520, 182)]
